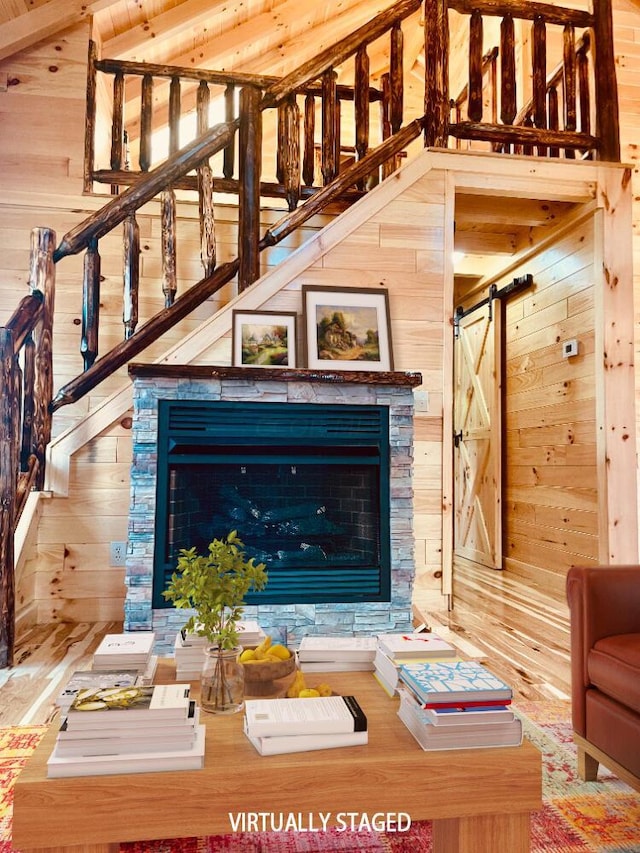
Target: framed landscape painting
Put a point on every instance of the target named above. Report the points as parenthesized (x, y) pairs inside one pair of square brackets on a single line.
[(264, 339), (347, 328)]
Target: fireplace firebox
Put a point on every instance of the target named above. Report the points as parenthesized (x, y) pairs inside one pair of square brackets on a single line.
[(305, 486)]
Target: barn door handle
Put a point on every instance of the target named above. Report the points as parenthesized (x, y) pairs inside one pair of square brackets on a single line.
[(457, 438)]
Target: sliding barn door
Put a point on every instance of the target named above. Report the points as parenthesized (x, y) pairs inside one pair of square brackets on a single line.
[(477, 437)]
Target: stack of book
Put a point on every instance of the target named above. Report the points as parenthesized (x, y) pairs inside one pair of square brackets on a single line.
[(276, 726), (336, 654), (188, 649), (395, 649), (457, 705), (127, 651), (129, 730)]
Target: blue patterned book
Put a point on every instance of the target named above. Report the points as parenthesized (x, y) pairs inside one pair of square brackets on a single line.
[(461, 683)]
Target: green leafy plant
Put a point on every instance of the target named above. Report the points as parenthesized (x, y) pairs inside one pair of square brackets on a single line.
[(215, 585)]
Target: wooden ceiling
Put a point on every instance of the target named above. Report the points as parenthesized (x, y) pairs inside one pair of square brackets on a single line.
[(274, 37)]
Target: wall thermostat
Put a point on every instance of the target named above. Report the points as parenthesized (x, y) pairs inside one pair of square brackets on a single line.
[(569, 348)]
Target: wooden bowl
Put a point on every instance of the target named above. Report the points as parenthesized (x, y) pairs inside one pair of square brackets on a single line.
[(268, 678)]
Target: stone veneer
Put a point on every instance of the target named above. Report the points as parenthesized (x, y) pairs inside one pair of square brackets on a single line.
[(286, 622)]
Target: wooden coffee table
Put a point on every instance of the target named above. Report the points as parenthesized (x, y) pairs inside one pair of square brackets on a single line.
[(479, 800)]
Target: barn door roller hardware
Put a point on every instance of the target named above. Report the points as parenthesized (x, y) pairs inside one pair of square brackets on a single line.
[(522, 282)]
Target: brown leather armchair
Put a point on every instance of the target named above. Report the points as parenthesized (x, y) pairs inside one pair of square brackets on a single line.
[(604, 604)]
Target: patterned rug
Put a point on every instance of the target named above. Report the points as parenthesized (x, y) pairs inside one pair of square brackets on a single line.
[(577, 817)]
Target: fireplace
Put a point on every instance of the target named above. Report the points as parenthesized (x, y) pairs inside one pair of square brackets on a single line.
[(313, 470), (306, 486)]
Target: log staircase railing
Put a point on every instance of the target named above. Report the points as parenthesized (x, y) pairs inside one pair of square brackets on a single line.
[(27, 401)]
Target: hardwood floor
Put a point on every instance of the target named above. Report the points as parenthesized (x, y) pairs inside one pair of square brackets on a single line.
[(522, 633)]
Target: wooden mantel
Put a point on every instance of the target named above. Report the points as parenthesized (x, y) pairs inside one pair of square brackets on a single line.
[(276, 374)]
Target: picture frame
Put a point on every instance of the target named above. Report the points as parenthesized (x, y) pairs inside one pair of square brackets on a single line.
[(347, 328), (264, 339)]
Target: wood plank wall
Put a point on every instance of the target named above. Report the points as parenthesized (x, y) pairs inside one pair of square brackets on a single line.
[(551, 494)]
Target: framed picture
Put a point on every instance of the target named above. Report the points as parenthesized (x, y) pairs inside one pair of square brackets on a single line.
[(264, 339), (347, 328)]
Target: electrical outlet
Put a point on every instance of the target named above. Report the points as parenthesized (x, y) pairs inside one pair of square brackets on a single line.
[(117, 553)]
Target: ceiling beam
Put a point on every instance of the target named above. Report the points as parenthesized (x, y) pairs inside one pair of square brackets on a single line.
[(32, 27)]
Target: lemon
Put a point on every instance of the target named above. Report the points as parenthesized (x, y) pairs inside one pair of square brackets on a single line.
[(308, 693), (279, 651), (247, 654)]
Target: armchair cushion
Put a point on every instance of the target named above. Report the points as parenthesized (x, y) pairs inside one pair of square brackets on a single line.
[(613, 665)]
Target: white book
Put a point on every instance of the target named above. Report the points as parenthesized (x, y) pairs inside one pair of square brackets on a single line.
[(161, 728), (317, 715), (180, 740), (280, 745), (336, 665), (486, 714), (422, 646), (131, 649), (106, 707), (136, 762), (316, 648)]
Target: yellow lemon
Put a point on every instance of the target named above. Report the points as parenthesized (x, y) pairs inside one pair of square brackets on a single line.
[(247, 654), (308, 693), (279, 651)]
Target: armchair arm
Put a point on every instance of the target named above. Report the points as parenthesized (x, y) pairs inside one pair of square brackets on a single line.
[(603, 601)]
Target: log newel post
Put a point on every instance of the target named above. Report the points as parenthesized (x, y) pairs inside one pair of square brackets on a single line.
[(436, 88), (8, 488), (90, 304), (250, 148), (131, 275), (606, 87)]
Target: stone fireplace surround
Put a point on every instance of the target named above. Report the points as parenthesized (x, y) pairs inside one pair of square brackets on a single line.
[(286, 622)]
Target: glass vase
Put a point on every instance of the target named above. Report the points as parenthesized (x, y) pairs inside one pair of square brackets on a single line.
[(222, 681)]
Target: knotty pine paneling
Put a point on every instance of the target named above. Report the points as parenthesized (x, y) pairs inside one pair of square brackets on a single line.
[(550, 461)]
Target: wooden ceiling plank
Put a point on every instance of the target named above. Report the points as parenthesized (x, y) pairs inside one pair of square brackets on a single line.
[(189, 15), (34, 26)]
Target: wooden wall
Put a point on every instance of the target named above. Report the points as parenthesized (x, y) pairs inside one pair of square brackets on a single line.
[(550, 459)]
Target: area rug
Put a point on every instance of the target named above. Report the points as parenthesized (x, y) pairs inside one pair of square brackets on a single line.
[(577, 817)]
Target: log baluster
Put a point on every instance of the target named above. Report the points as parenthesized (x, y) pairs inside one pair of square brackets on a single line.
[(131, 278), (42, 277), (385, 116), (281, 141), (291, 152), (474, 106), (250, 158), (28, 384), (309, 156), (229, 155), (554, 117), (90, 304), (205, 188), (175, 98), (330, 162), (169, 247), (540, 76), (361, 105), (436, 80), (569, 81), (508, 86), (117, 121), (396, 81), (582, 64), (90, 129), (146, 120)]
